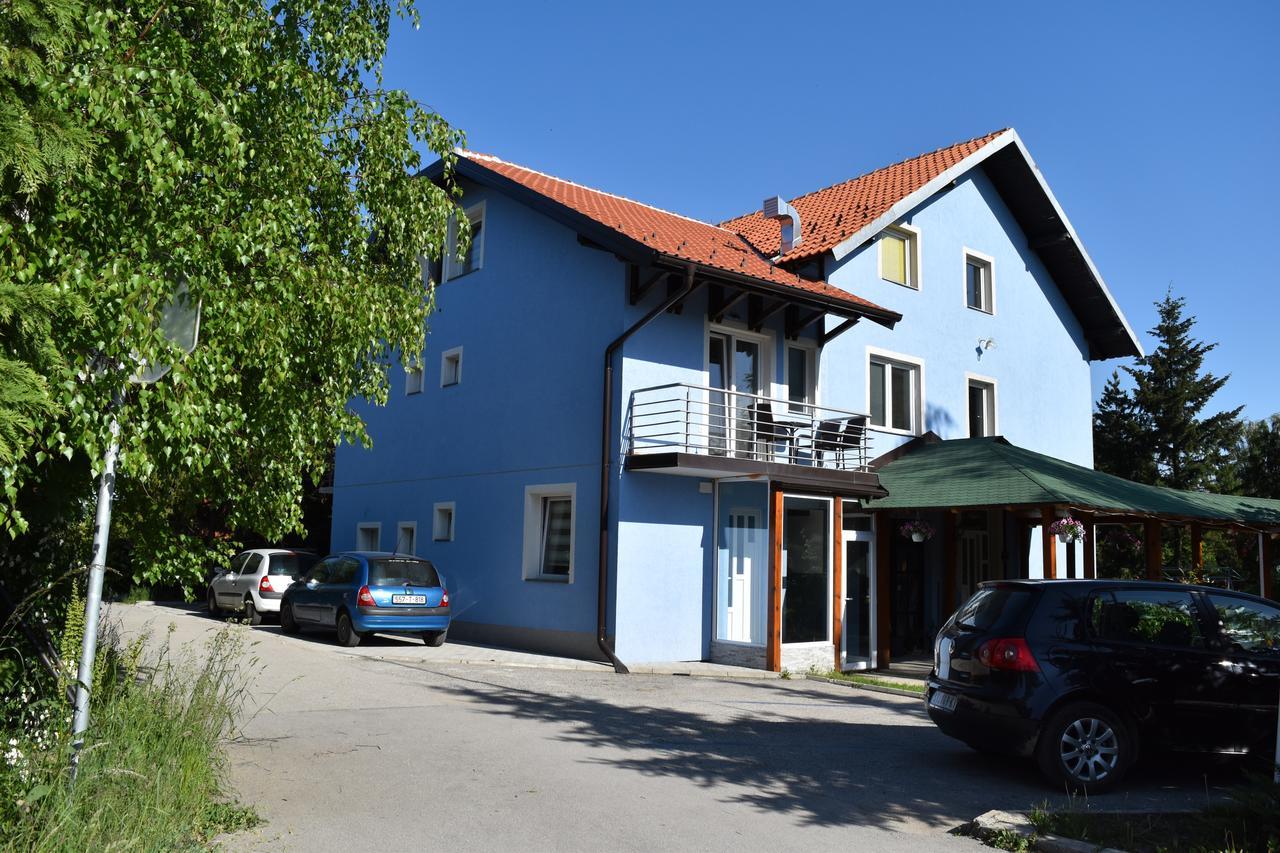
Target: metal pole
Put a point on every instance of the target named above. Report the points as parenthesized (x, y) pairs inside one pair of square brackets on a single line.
[(93, 600)]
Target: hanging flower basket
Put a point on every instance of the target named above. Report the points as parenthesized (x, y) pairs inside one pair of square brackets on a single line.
[(1067, 530), (916, 531)]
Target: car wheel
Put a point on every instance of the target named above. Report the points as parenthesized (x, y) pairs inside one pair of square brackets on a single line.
[(288, 624), (251, 614), (433, 638), (347, 634), (211, 602), (1085, 747)]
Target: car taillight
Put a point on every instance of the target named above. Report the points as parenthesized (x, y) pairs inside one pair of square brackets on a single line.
[(444, 599), (1010, 653), (365, 598), (264, 585)]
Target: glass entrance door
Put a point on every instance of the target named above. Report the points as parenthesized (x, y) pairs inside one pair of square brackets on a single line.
[(859, 625), (806, 570)]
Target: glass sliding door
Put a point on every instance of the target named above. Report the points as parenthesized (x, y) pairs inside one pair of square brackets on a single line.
[(806, 570)]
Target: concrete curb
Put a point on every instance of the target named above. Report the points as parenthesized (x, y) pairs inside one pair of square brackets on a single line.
[(874, 688), (993, 823)]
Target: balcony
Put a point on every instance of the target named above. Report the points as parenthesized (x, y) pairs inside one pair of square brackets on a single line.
[(699, 431)]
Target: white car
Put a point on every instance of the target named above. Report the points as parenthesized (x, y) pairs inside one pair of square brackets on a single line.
[(255, 580)]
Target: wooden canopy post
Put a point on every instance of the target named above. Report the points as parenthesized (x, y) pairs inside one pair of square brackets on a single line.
[(1048, 550), (1154, 549), (1197, 551), (1090, 546), (884, 565), (949, 561), (773, 647), (837, 578)]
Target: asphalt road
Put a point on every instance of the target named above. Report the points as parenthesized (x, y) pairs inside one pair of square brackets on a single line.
[(395, 747)]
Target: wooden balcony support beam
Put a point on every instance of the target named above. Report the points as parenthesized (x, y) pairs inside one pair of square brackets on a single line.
[(826, 337), (722, 301), (761, 312), (640, 289), (802, 320)]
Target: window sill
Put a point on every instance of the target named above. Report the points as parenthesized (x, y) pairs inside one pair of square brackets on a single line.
[(914, 287), (459, 275), (548, 579), (981, 310), (891, 431)]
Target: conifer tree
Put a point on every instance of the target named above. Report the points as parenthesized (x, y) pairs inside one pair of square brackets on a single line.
[(1121, 441)]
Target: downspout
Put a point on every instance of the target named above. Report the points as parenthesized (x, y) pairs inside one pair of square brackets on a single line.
[(606, 445)]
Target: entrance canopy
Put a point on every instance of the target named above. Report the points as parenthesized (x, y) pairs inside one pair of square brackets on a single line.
[(931, 474)]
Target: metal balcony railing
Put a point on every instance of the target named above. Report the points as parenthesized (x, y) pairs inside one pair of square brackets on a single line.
[(697, 419)]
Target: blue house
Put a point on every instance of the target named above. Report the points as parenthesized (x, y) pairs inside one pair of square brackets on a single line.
[(642, 437)]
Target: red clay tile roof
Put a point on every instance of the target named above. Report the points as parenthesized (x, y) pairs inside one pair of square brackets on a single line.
[(669, 233), (831, 215)]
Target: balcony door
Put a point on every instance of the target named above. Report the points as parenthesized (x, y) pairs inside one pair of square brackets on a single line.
[(735, 367)]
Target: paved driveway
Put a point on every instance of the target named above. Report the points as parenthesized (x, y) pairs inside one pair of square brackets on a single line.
[(402, 747)]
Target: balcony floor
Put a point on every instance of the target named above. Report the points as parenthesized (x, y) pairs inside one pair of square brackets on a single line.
[(862, 483)]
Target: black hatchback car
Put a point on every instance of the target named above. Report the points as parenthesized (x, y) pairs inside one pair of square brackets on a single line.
[(1085, 675)]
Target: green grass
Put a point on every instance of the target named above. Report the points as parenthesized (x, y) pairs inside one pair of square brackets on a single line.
[(1250, 822), (151, 774), (873, 681)]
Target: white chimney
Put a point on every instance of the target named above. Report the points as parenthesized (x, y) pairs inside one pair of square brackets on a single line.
[(789, 218)]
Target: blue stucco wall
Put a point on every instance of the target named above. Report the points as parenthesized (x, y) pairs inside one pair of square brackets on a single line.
[(533, 323), (1039, 362)]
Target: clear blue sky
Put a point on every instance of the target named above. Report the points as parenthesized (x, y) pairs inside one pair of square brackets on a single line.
[(1156, 124)]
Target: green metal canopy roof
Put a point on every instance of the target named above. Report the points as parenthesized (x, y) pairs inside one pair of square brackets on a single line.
[(987, 472)]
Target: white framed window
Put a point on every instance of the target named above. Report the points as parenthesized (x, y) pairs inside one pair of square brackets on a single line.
[(895, 391), (980, 403), (412, 380), (407, 537), (801, 377), (474, 257), (442, 522), (899, 255), (451, 367), (979, 281), (369, 536), (549, 515)]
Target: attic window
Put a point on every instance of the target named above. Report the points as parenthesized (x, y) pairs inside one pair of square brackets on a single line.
[(899, 256)]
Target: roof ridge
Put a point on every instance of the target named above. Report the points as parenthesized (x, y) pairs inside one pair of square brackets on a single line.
[(476, 155), (886, 167), (1013, 463)]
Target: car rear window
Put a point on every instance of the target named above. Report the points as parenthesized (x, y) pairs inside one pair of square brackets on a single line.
[(390, 571), (993, 609), (291, 564)]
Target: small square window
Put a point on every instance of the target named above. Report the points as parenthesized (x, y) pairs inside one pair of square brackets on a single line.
[(473, 258), (368, 537), (982, 408), (978, 291), (442, 522), (407, 537), (413, 380), (451, 367), (900, 256)]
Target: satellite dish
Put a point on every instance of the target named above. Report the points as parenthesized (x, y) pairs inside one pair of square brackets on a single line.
[(180, 325)]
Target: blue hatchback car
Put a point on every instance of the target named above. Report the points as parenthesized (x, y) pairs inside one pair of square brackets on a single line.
[(367, 592)]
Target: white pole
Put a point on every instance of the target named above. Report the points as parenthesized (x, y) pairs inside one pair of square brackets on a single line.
[(93, 600)]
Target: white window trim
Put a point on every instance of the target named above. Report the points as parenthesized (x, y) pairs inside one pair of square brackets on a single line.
[(972, 378), (532, 559), (811, 367), (474, 214), (990, 263), (411, 372), (444, 363), (912, 236), (918, 402), (375, 526), (767, 341), (453, 520), (401, 526)]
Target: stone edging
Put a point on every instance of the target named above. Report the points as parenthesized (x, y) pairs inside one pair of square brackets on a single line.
[(991, 823), (874, 688)]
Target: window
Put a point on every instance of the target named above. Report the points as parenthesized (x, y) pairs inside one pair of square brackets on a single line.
[(320, 574), (442, 522), (344, 571), (253, 564), (894, 394), (451, 367), (413, 380), (474, 257), (548, 532), (237, 563), (1247, 626), (368, 536), (1154, 617), (407, 537), (899, 256), (800, 384), (399, 572), (982, 408), (978, 290)]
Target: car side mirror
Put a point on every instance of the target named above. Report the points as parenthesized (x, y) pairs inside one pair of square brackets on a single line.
[(297, 578), (312, 584)]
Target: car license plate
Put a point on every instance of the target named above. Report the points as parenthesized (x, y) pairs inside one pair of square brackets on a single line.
[(408, 599), (943, 701)]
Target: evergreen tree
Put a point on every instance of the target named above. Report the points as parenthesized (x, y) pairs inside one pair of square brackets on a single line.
[(1121, 439), (1258, 466), (1170, 392)]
